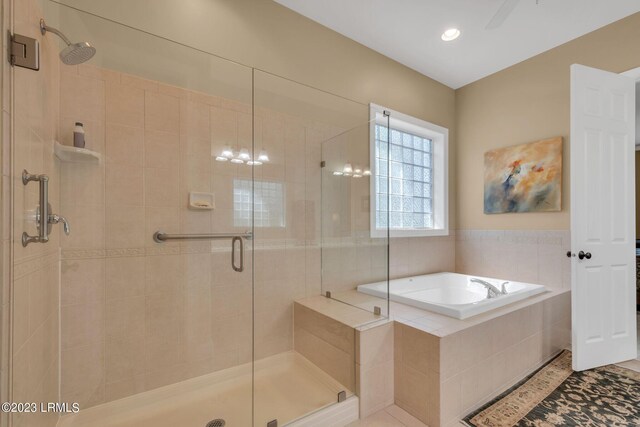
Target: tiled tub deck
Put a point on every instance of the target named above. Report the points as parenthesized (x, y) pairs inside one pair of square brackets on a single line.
[(442, 368)]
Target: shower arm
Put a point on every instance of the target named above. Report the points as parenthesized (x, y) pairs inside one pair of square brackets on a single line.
[(44, 28)]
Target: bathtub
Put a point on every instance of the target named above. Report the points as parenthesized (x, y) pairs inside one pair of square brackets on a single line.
[(450, 294)]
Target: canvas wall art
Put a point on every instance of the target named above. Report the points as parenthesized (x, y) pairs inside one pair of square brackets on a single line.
[(524, 178)]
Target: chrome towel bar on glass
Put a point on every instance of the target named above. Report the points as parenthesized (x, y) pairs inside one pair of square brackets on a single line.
[(160, 237)]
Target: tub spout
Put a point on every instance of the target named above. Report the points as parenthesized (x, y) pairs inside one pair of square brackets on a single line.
[(503, 288), (492, 291)]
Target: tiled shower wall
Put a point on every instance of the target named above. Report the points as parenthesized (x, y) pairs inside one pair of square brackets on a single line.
[(36, 268), (137, 315), (534, 256)]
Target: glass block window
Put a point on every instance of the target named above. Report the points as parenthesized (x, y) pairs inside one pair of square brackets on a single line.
[(269, 203), (404, 184)]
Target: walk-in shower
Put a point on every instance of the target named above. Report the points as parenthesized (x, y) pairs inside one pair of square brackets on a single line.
[(185, 328)]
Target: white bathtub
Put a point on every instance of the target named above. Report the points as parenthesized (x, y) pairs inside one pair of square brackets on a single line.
[(450, 294)]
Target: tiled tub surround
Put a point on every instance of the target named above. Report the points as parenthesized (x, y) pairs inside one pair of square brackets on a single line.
[(348, 263), (532, 256), (445, 367), (137, 315)]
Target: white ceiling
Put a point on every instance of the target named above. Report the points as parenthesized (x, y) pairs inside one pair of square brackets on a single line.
[(409, 30)]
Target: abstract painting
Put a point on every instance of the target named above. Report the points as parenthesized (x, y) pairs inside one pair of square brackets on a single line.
[(524, 178)]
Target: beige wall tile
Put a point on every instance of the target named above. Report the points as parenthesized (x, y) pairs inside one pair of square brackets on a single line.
[(88, 227), (335, 362), (125, 227), (124, 277), (82, 281), (327, 343), (162, 112), (124, 358), (125, 317), (375, 386), (161, 150), (337, 334), (21, 313), (124, 185), (163, 274), (124, 105), (82, 98), (375, 345), (164, 317), (195, 120), (124, 144), (161, 188), (89, 70), (83, 324), (82, 372)]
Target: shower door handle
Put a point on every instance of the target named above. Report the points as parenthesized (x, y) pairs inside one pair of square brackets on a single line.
[(239, 268), (160, 237)]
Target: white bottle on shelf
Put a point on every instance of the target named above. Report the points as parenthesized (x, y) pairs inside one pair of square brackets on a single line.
[(78, 135)]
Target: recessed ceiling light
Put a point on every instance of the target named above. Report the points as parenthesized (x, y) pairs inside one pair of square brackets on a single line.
[(450, 34)]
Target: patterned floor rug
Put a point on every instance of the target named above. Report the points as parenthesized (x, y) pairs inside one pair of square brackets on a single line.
[(555, 395)]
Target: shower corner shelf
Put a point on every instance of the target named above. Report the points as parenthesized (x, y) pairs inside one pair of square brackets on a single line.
[(67, 153)]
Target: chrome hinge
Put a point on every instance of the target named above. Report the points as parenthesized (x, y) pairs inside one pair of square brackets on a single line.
[(24, 52), (342, 396), (272, 423)]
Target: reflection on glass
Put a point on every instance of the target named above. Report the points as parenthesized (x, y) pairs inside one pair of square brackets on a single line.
[(268, 205)]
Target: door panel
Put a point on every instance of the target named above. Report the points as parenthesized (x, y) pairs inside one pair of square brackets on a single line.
[(602, 194)]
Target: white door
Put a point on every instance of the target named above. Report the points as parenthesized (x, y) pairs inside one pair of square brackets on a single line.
[(602, 217)]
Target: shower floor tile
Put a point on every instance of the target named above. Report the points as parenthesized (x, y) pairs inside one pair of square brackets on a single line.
[(287, 387)]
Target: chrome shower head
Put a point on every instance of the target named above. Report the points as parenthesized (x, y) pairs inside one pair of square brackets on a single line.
[(74, 53), (77, 53)]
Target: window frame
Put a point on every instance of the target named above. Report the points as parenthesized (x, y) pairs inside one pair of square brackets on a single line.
[(439, 137)]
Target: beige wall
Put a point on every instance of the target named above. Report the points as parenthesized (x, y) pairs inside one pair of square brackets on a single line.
[(525, 103), (637, 195)]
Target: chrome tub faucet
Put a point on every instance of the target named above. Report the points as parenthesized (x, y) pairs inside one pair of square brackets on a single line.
[(492, 291)]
